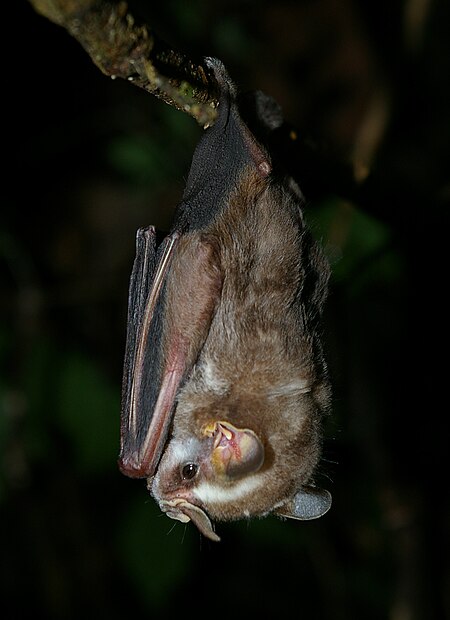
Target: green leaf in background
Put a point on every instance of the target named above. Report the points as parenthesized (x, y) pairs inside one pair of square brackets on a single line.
[(88, 410), (231, 38), (5, 348), (356, 243), (188, 16), (149, 159), (37, 385), (156, 551), (138, 158), (179, 129), (25, 383)]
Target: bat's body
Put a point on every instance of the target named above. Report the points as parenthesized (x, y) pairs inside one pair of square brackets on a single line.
[(225, 385)]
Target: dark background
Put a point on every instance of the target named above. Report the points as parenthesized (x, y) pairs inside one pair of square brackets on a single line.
[(88, 161)]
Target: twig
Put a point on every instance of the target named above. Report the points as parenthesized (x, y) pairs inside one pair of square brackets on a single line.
[(123, 49)]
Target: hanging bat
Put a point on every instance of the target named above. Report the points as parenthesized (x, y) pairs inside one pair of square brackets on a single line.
[(225, 384)]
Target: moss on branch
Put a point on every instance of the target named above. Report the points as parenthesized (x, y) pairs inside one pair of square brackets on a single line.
[(123, 49)]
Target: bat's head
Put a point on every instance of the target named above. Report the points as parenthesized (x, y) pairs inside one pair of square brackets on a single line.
[(199, 471), (217, 470)]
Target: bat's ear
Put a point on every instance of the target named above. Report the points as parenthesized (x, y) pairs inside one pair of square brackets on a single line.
[(308, 503)]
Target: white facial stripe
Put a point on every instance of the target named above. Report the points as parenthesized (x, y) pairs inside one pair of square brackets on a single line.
[(209, 493)]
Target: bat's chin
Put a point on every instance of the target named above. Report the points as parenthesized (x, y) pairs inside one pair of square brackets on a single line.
[(205, 501)]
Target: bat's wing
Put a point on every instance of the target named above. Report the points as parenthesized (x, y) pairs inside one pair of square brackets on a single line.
[(143, 425), (173, 294)]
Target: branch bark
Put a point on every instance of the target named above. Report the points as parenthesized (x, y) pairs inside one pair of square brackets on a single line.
[(123, 49)]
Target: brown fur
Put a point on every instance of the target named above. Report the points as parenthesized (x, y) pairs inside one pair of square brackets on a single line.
[(259, 344)]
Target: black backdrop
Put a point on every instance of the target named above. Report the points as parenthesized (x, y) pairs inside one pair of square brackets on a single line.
[(87, 160)]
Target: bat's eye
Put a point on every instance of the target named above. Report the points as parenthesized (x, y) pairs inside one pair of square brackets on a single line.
[(189, 471)]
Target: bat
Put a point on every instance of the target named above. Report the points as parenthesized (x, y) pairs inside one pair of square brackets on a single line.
[(225, 383)]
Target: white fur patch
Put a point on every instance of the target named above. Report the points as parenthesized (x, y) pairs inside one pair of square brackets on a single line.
[(183, 451), (213, 382), (209, 493), (297, 386)]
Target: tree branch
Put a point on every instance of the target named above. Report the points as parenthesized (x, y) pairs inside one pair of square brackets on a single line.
[(121, 48)]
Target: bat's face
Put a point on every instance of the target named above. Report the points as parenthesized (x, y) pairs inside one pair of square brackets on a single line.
[(224, 470), (203, 473)]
